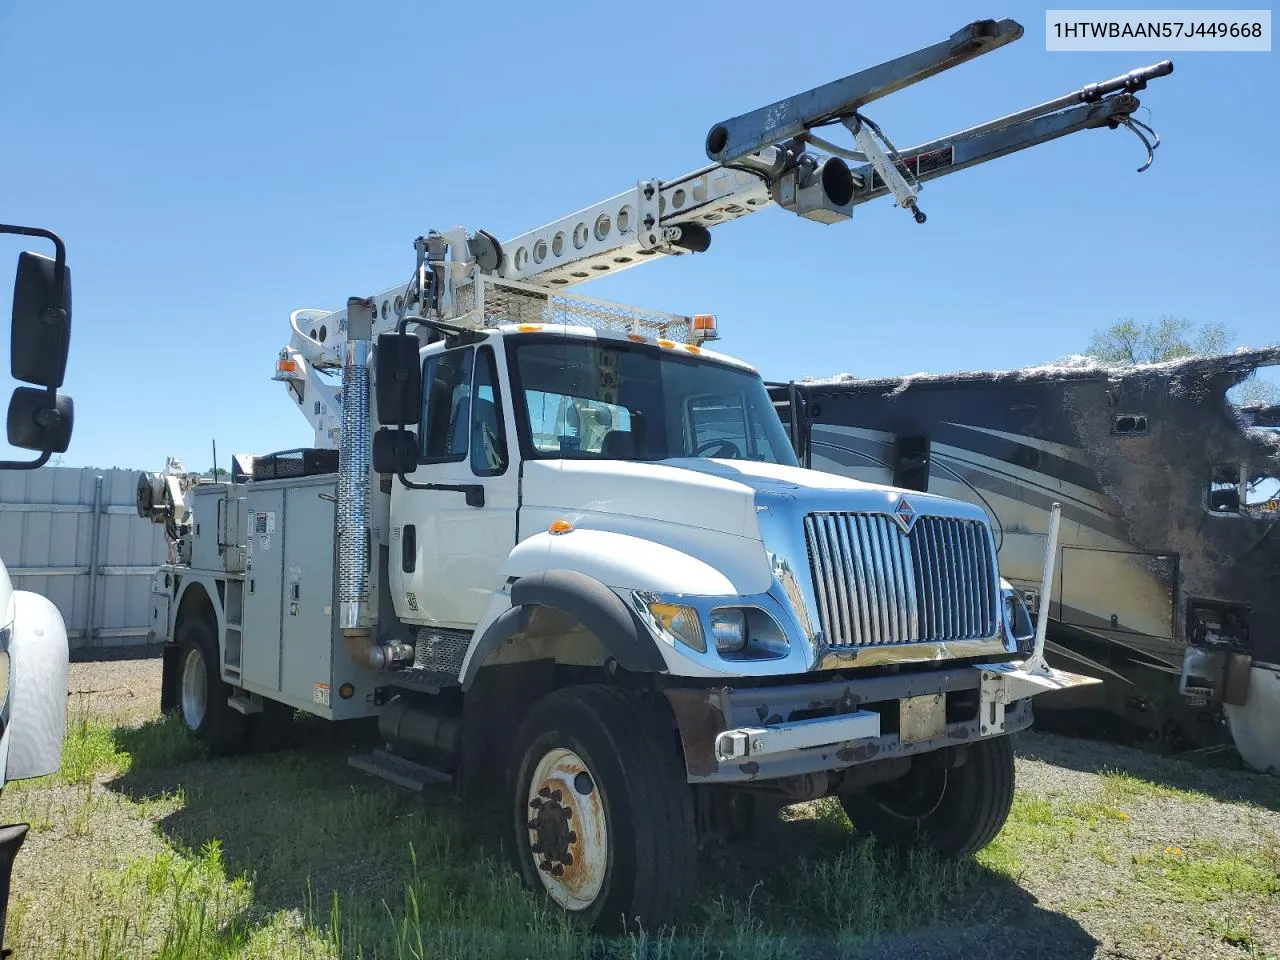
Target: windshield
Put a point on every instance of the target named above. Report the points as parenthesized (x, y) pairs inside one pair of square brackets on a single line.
[(617, 401)]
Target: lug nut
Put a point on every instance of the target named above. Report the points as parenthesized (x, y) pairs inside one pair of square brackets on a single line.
[(573, 837), (535, 847), (545, 866), (533, 824), (567, 859), (545, 792), (557, 870), (556, 795), (535, 803)]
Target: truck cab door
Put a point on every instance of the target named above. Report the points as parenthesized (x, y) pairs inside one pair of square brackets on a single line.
[(447, 545)]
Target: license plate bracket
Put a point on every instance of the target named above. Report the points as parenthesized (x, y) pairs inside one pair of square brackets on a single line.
[(922, 718)]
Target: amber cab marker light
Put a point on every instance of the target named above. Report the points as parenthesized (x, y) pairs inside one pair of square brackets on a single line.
[(346, 691), (560, 526), (286, 366), (529, 327)]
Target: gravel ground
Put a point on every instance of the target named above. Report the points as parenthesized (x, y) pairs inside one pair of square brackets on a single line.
[(1092, 864), (125, 688)]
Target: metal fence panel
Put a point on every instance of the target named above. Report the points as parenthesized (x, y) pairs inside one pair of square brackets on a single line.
[(48, 519)]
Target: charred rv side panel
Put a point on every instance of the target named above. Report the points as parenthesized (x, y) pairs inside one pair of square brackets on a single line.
[(1170, 534)]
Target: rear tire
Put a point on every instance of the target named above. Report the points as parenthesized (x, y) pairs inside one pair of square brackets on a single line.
[(202, 694), (602, 813), (955, 812)]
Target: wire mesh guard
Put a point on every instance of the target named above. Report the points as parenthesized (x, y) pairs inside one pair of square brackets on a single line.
[(440, 651), (508, 303)]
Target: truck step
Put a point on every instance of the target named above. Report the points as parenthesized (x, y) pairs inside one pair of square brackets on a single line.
[(425, 681), (400, 771)]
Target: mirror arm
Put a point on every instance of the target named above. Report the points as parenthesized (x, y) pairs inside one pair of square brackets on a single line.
[(59, 249), (39, 461)]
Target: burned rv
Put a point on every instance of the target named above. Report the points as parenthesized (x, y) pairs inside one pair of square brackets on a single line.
[(1168, 576)]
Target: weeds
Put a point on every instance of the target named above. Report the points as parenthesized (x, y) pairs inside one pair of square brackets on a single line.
[(1117, 784), (291, 855), (1186, 876)]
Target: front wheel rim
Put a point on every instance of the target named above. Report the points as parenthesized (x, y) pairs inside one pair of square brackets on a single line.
[(567, 830), (195, 689)]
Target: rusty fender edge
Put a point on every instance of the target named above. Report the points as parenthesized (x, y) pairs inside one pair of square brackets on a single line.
[(703, 713)]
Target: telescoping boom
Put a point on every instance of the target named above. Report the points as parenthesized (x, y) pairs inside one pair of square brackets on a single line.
[(769, 156)]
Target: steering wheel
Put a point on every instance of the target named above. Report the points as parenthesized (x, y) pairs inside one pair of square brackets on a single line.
[(728, 449)]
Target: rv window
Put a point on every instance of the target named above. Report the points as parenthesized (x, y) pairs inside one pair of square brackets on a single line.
[(1128, 425)]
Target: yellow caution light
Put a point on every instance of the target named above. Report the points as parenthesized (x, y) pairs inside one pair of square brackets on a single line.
[(692, 349), (666, 343), (636, 338), (286, 366), (529, 327), (703, 327), (560, 526)]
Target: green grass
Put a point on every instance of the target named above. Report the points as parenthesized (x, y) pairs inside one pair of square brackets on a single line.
[(1119, 785), (1206, 873), (292, 854), (93, 748)]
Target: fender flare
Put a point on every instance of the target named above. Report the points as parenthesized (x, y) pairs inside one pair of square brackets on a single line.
[(585, 599)]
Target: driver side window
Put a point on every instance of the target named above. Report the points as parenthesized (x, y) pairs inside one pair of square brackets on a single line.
[(446, 406)]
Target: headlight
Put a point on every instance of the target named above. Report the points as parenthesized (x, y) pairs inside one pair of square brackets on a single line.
[(681, 622), (1017, 618), (729, 629)]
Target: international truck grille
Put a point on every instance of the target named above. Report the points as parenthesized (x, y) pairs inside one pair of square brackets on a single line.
[(875, 585)]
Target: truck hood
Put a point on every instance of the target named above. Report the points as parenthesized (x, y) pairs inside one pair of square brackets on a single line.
[(720, 495)]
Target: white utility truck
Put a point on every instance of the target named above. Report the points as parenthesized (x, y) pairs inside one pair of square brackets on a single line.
[(564, 552), (33, 636)]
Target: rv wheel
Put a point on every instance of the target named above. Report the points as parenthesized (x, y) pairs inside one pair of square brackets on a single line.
[(955, 811), (202, 694), (602, 813)]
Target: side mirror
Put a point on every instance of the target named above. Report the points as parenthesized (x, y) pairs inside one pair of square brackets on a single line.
[(395, 451), (36, 424), (39, 340), (398, 380), (41, 331)]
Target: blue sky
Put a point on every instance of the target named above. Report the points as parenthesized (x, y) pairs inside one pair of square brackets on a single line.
[(213, 166)]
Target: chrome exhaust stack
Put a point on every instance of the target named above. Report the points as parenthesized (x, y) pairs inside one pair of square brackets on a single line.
[(355, 465)]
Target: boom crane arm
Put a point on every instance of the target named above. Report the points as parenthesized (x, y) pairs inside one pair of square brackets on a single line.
[(763, 158)]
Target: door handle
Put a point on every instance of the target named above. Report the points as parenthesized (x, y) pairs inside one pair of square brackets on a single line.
[(474, 491), (409, 548)]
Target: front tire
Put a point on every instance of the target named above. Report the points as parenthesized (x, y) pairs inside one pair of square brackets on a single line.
[(202, 694), (954, 811), (603, 816)]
